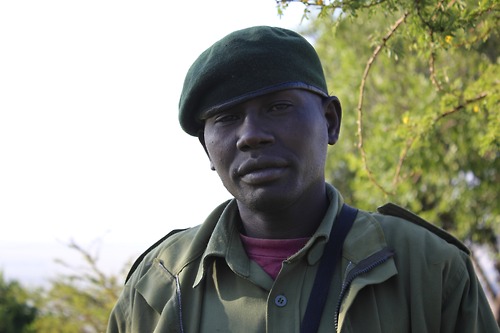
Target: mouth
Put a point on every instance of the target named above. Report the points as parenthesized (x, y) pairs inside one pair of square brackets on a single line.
[(260, 171)]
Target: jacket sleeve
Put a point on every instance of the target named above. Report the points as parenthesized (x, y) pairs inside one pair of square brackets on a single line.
[(465, 307), (117, 319)]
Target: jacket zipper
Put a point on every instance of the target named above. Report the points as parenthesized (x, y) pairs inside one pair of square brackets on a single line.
[(363, 267)]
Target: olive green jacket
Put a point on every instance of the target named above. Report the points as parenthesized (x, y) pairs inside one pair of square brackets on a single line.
[(395, 276)]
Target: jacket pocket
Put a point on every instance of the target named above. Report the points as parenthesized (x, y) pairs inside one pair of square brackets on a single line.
[(158, 288)]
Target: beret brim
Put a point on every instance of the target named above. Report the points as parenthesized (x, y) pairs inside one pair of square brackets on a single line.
[(243, 65)]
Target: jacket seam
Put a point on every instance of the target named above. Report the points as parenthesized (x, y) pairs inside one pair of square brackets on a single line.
[(458, 275)]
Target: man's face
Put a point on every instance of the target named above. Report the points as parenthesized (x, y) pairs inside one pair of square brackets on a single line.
[(270, 151)]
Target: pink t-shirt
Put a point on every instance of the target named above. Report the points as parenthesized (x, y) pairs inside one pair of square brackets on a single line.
[(270, 253)]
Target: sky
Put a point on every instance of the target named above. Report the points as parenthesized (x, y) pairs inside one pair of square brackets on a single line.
[(90, 147)]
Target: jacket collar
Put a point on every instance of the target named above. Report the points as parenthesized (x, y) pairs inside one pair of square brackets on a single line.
[(225, 241)]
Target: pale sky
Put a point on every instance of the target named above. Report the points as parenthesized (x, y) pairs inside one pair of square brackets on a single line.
[(90, 146)]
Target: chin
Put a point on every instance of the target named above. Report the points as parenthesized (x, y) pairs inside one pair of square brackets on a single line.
[(267, 202)]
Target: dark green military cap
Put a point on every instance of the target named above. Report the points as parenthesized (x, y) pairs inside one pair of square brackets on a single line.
[(245, 64)]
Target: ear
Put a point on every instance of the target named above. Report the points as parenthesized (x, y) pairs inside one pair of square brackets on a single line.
[(201, 138), (333, 115)]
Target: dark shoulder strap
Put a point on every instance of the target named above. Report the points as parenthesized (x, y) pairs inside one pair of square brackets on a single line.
[(151, 248), (331, 256)]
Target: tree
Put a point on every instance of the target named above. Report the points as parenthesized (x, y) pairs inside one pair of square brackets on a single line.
[(79, 301), (16, 312), (419, 86)]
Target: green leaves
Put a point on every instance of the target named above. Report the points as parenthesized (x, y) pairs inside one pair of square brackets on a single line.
[(79, 300), (16, 310), (419, 88)]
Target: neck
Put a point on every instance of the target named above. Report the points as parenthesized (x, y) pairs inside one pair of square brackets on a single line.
[(300, 220)]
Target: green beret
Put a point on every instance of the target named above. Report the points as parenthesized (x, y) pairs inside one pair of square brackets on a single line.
[(245, 64)]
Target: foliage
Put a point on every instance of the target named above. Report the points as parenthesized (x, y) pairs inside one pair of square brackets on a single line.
[(16, 312), (419, 86), (79, 301)]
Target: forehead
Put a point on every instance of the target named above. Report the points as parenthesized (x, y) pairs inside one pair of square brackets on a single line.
[(296, 95)]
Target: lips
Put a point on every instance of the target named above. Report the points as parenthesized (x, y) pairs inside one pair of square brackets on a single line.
[(261, 170)]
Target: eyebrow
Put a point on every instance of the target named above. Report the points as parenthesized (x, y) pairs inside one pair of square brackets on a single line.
[(210, 113), (213, 112), (225, 106), (221, 107)]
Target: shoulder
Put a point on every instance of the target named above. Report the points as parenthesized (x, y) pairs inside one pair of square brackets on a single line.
[(178, 247), (404, 217), (422, 251), (176, 240), (408, 235), (418, 242)]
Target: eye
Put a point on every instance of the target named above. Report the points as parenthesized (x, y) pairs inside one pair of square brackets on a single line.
[(279, 106), (226, 118)]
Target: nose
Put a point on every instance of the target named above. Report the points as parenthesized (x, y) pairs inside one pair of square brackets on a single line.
[(253, 133)]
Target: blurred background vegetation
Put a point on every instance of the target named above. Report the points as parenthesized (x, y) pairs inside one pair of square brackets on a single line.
[(419, 86), (77, 301)]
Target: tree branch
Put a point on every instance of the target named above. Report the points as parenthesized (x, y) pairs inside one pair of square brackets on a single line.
[(432, 68), (402, 158), (329, 4), (460, 106), (368, 66), (411, 141)]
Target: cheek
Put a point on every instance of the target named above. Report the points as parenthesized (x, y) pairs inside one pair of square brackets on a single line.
[(309, 134), (218, 152), (313, 147)]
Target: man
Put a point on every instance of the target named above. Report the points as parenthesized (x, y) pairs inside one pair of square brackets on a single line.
[(286, 254)]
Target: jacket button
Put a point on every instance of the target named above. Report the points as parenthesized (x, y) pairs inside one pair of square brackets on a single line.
[(280, 301)]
